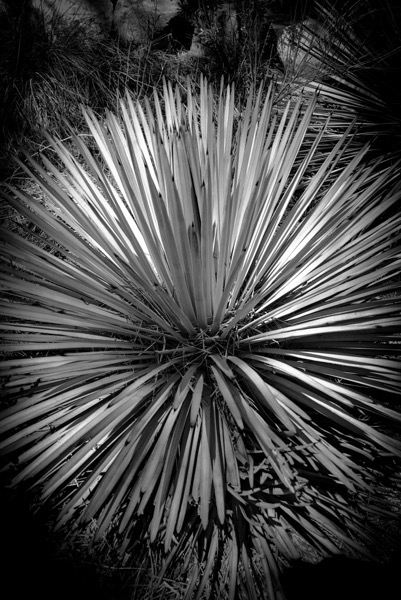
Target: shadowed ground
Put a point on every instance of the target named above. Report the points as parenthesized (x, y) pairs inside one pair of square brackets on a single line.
[(31, 567), (341, 578)]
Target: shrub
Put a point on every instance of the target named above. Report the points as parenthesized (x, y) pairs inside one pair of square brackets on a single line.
[(196, 360), (351, 54)]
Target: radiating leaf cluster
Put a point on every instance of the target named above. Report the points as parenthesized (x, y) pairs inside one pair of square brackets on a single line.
[(204, 348)]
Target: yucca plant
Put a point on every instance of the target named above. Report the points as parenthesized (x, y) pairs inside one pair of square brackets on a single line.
[(196, 359)]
